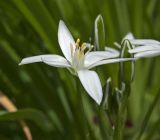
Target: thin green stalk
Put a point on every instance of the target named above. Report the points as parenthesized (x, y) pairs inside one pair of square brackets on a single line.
[(121, 115), (120, 122), (147, 117), (105, 126), (82, 116), (117, 131)]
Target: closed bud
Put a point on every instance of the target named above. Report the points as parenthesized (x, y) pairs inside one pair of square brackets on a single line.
[(127, 69), (107, 94), (99, 33)]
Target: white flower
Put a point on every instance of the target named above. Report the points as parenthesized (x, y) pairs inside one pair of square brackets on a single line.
[(78, 59), (143, 47)]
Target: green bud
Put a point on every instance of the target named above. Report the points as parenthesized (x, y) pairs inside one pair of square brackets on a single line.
[(114, 104), (127, 69), (116, 100), (107, 93), (99, 33)]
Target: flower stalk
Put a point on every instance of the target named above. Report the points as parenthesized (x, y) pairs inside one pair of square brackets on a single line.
[(80, 107)]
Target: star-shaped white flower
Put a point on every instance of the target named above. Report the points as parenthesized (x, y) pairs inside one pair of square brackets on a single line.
[(78, 59), (143, 47)]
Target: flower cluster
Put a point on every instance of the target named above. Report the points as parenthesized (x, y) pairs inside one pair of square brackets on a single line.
[(79, 58)]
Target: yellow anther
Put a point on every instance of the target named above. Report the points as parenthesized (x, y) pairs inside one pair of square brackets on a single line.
[(83, 46), (77, 42)]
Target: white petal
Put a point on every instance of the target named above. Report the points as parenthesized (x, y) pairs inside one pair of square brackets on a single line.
[(32, 59), (144, 48), (96, 56), (109, 61), (147, 54), (92, 84), (65, 40), (129, 36), (112, 50), (56, 61), (53, 60), (144, 42)]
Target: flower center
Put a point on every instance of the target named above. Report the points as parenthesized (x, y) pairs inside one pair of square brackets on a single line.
[(78, 55)]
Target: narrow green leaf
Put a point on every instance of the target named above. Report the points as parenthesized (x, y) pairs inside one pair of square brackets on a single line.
[(31, 114), (147, 117), (39, 18)]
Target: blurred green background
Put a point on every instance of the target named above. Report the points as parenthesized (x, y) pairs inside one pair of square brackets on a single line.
[(29, 27)]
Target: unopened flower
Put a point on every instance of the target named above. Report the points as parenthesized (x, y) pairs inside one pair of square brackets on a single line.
[(78, 60), (143, 47)]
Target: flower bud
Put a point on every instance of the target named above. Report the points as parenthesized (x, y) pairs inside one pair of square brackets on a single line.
[(127, 69), (107, 93), (99, 33)]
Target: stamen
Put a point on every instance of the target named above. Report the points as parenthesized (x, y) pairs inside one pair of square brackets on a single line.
[(77, 43), (91, 47), (83, 46)]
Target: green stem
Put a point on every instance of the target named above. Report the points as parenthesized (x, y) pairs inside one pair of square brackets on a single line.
[(82, 115), (121, 115), (104, 124), (147, 117), (120, 122)]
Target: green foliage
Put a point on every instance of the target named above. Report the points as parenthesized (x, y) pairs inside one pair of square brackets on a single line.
[(29, 27), (30, 114)]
